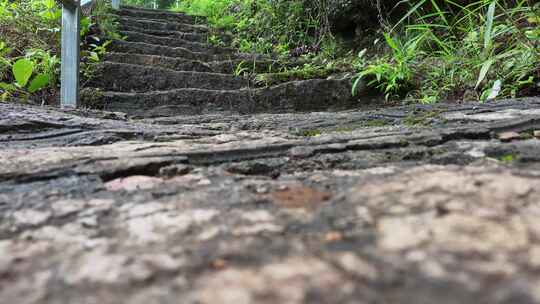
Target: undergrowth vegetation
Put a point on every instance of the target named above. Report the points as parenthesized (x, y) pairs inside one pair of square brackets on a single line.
[(263, 26), (29, 46), (480, 51), (435, 50), (438, 49)]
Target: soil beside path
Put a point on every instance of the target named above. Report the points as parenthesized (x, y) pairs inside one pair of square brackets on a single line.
[(412, 204)]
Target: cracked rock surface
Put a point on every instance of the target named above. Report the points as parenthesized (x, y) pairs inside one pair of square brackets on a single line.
[(410, 204)]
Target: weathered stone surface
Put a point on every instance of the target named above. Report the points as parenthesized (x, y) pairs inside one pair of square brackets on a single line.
[(123, 77), (158, 14), (272, 208), (160, 24), (196, 37), (508, 136), (175, 42), (167, 67)]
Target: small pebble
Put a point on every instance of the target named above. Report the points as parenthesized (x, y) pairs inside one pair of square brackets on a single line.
[(508, 136), (219, 264), (333, 236)]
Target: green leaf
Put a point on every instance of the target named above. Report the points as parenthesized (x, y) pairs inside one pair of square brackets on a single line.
[(495, 90), (50, 4), (4, 96), (409, 13), (488, 32), (439, 12), (483, 72), (355, 85), (22, 70), (39, 82), (392, 43), (8, 87)]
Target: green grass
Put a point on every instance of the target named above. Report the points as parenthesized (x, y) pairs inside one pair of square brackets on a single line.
[(483, 51), (265, 26), (508, 158), (438, 50), (309, 133)]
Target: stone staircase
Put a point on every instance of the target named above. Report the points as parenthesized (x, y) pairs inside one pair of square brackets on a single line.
[(165, 66)]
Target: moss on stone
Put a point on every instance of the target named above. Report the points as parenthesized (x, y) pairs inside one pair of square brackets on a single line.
[(423, 119), (268, 79), (309, 133)]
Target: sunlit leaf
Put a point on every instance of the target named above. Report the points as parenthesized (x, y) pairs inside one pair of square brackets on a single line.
[(483, 72), (8, 87), (495, 90), (488, 32), (22, 70), (39, 82)]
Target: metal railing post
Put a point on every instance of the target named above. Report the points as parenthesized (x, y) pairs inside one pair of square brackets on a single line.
[(69, 78), (71, 39)]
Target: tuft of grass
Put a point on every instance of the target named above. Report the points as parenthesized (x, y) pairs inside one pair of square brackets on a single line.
[(440, 50), (309, 133), (508, 158), (297, 73)]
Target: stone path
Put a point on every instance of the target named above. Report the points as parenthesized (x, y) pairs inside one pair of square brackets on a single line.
[(183, 195), (413, 204), (165, 66)]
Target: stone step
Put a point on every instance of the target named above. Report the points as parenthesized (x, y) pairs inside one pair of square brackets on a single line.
[(160, 14), (153, 49), (163, 25), (295, 96), (179, 64), (195, 37), (178, 52), (132, 36), (156, 11), (172, 63), (235, 66), (187, 101), (123, 77)]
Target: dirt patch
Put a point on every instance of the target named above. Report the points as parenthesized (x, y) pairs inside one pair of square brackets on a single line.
[(299, 197)]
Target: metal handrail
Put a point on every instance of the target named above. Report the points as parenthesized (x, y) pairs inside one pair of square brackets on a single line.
[(70, 66)]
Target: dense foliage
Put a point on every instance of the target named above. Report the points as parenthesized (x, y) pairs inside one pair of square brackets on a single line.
[(430, 50), (264, 26), (28, 35), (29, 46), (478, 51)]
